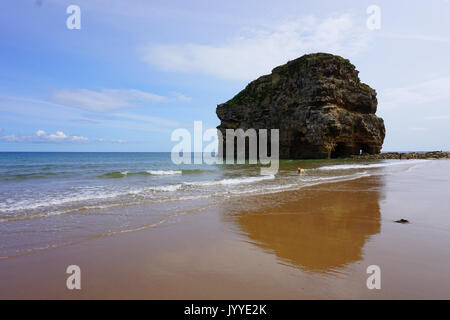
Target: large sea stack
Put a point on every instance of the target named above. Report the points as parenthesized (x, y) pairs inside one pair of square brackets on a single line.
[(317, 102)]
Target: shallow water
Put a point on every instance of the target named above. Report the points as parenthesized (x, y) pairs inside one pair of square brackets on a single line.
[(50, 200), (314, 241)]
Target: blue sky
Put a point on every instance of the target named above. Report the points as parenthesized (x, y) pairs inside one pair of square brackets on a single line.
[(137, 70)]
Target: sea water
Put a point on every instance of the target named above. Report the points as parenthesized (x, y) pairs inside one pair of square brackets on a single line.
[(50, 200)]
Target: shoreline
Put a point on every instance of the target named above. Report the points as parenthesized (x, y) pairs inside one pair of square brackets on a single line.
[(314, 243)]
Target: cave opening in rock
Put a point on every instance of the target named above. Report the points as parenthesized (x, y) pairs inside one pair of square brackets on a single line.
[(363, 148)]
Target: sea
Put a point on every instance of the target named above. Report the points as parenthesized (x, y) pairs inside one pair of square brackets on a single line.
[(56, 199)]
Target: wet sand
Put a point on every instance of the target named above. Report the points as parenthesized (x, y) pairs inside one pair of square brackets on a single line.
[(313, 243)]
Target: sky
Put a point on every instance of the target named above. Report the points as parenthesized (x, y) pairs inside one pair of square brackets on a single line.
[(137, 70)]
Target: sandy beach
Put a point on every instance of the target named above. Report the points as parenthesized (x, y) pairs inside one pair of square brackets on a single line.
[(312, 243), (249, 153)]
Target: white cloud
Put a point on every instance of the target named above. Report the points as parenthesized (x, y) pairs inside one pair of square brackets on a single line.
[(59, 136), (422, 93), (108, 99), (148, 119), (415, 37), (440, 117), (40, 133), (112, 140), (42, 136), (12, 138), (181, 97), (260, 50)]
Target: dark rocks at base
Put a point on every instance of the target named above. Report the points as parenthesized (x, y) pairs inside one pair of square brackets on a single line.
[(317, 102), (404, 156)]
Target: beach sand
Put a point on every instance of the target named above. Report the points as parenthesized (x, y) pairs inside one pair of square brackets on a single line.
[(313, 243)]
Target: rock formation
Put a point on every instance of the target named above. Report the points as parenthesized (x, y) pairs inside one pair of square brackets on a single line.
[(431, 155), (317, 102)]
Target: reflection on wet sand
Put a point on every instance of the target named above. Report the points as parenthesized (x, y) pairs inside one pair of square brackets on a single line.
[(319, 229)]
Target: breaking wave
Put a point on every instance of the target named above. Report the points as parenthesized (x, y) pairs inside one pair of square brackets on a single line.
[(372, 165), (164, 172), (230, 181)]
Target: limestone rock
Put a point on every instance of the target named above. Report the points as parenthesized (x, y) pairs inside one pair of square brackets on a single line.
[(315, 100)]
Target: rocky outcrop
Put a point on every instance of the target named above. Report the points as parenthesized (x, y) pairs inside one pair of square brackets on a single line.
[(317, 102), (404, 156)]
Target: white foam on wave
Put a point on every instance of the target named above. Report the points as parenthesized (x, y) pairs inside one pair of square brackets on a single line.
[(88, 194), (164, 172), (305, 182), (48, 202), (330, 178), (231, 181), (60, 203), (372, 165), (33, 204), (169, 188)]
